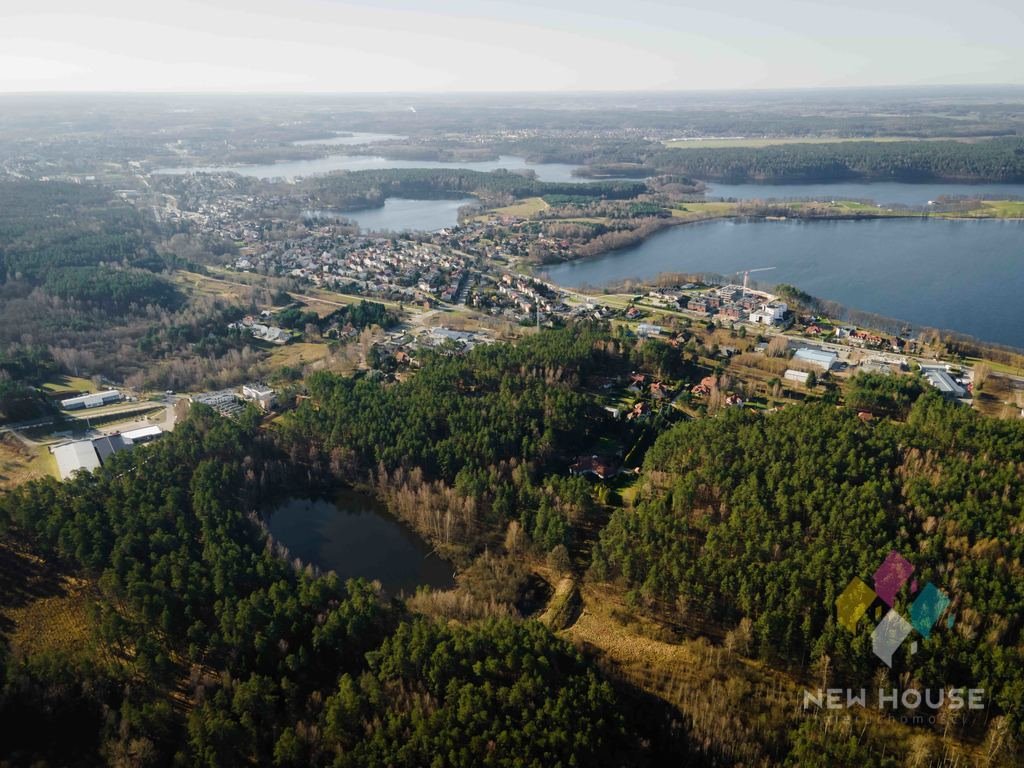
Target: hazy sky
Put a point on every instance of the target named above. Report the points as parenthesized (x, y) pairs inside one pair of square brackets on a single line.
[(481, 45)]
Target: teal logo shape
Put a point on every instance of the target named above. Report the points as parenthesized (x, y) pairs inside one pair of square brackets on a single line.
[(894, 628)]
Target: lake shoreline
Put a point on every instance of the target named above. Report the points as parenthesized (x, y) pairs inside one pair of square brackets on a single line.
[(769, 219), (907, 269)]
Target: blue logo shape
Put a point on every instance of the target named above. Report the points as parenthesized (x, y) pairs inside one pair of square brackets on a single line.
[(927, 609)]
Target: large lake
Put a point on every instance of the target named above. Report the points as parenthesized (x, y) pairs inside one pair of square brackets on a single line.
[(963, 275), (292, 169), (399, 214), (352, 139), (884, 192), (352, 535)]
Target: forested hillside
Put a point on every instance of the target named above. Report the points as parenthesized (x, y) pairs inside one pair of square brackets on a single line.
[(998, 160), (764, 520), (474, 438), (85, 276), (208, 649), (369, 189)]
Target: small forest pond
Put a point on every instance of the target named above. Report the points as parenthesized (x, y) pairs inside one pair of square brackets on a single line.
[(353, 535)]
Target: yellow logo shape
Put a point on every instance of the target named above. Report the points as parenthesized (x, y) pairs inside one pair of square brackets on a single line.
[(853, 603)]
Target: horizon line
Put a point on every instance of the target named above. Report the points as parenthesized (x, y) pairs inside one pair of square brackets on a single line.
[(522, 92)]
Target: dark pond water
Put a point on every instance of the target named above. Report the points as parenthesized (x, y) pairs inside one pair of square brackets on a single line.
[(353, 535)]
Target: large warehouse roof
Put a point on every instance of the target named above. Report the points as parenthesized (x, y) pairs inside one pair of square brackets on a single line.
[(72, 457), (817, 356)]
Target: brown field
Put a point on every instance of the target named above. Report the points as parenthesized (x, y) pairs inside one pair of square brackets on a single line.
[(19, 464), (736, 707), (523, 209), (42, 608), (298, 354)]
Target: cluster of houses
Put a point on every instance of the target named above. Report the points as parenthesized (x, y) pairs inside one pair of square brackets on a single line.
[(734, 302), (262, 330), (372, 266), (709, 384), (519, 297)]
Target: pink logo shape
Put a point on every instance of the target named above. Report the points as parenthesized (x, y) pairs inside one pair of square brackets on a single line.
[(891, 575)]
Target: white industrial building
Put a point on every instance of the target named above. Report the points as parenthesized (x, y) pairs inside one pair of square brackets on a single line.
[(94, 400), (141, 435), (769, 314), (800, 377), (819, 357), (74, 457), (260, 394), (943, 382), (87, 455)]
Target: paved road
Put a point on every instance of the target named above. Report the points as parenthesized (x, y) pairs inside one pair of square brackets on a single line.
[(166, 423)]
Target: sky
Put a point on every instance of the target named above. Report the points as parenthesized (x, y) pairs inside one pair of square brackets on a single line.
[(486, 45)]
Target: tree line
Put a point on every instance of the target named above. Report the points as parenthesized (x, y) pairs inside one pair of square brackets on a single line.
[(996, 160)]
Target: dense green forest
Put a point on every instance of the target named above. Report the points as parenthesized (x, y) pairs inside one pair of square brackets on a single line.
[(21, 369), (209, 648), (112, 290), (998, 160), (369, 189), (766, 519), (463, 445), (48, 226), (363, 314), (277, 666)]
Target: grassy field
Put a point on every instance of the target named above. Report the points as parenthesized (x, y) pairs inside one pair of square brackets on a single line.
[(991, 209), (298, 354), (95, 417), (524, 209), (41, 607), (698, 211), (68, 384), (19, 464)]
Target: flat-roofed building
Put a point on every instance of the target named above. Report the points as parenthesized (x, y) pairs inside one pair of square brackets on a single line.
[(798, 376), (79, 456), (141, 435), (108, 445), (943, 382), (94, 400), (259, 393), (818, 357)]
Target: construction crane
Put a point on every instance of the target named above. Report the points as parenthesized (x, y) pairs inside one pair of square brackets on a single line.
[(747, 273)]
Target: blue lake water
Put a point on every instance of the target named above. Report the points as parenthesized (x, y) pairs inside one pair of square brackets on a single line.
[(400, 214), (966, 276), (292, 169), (884, 192), (352, 535)]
